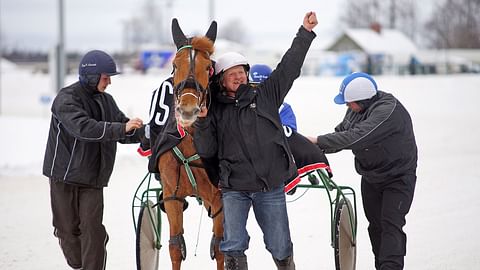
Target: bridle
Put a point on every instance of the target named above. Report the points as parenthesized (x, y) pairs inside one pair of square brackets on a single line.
[(191, 81)]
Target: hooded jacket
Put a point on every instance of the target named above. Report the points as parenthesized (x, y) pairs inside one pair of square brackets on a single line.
[(245, 131), (380, 136), (82, 141)]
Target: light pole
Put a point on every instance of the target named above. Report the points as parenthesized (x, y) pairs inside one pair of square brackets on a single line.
[(60, 50), (1, 57), (211, 10)]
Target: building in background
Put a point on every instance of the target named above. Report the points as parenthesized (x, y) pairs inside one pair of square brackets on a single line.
[(373, 50)]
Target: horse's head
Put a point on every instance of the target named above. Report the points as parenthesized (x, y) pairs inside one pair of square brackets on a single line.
[(192, 68)]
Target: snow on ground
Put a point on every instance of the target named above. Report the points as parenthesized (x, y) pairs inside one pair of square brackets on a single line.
[(441, 225)]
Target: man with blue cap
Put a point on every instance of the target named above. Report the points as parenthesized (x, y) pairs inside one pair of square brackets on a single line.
[(306, 155), (85, 127), (379, 131)]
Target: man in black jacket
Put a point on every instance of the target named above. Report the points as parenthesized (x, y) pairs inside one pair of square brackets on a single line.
[(243, 130), (378, 130), (84, 130)]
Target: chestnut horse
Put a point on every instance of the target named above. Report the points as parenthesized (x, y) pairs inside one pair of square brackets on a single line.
[(181, 170)]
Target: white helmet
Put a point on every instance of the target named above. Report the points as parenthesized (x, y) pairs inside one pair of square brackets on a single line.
[(228, 60)]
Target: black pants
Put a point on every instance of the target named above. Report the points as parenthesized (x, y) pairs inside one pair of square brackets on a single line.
[(77, 219), (385, 206)]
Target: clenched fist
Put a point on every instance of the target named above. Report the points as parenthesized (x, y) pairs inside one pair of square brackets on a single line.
[(310, 21)]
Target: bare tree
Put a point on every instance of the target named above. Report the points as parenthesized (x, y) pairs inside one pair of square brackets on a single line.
[(454, 24), (361, 13), (395, 14)]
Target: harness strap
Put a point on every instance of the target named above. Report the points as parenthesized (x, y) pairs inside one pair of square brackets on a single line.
[(216, 213), (188, 170), (185, 162), (171, 199), (184, 47), (191, 81)]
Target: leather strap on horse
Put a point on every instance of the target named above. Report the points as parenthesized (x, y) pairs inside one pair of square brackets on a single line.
[(216, 213), (188, 170), (186, 163), (191, 81)]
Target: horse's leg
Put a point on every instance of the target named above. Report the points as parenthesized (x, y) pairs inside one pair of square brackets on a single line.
[(176, 245), (217, 229), (213, 203), (172, 196)]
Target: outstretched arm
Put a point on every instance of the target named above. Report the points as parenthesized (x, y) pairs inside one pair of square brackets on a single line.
[(281, 80)]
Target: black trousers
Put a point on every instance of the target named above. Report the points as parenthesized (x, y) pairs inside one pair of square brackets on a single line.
[(77, 219), (386, 205)]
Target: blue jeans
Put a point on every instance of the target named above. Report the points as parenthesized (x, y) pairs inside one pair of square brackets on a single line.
[(271, 214)]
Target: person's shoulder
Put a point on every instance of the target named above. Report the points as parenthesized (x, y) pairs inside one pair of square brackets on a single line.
[(384, 106), (68, 91), (385, 98), (70, 88), (67, 96), (168, 81), (385, 95), (107, 95)]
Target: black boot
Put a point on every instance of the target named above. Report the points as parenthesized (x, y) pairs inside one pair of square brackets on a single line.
[(285, 264), (236, 263)]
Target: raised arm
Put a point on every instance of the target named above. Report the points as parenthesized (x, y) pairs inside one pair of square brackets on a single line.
[(289, 68)]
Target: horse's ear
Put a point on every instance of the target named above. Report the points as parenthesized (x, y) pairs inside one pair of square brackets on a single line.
[(212, 31), (179, 37)]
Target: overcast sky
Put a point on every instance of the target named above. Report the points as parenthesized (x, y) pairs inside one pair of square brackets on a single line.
[(89, 24)]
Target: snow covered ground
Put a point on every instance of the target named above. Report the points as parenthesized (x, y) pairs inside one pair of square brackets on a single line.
[(442, 225)]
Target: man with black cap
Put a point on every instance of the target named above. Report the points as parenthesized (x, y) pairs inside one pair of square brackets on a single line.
[(379, 131), (85, 127)]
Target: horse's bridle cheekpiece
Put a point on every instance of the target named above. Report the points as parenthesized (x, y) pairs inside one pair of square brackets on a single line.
[(190, 81), (183, 43)]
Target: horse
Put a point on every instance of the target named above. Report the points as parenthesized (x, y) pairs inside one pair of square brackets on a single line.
[(181, 169)]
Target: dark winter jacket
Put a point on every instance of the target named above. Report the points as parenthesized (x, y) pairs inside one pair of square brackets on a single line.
[(381, 138), (245, 132), (82, 142)]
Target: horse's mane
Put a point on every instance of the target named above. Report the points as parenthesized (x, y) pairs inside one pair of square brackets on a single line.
[(203, 44)]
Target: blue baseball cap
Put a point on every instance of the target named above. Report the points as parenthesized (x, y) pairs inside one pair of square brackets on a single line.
[(356, 86), (97, 62)]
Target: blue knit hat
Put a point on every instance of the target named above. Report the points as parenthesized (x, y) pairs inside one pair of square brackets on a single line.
[(97, 62)]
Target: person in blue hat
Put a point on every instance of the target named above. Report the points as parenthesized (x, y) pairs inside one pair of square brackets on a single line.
[(305, 153), (85, 126), (259, 73), (379, 131)]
